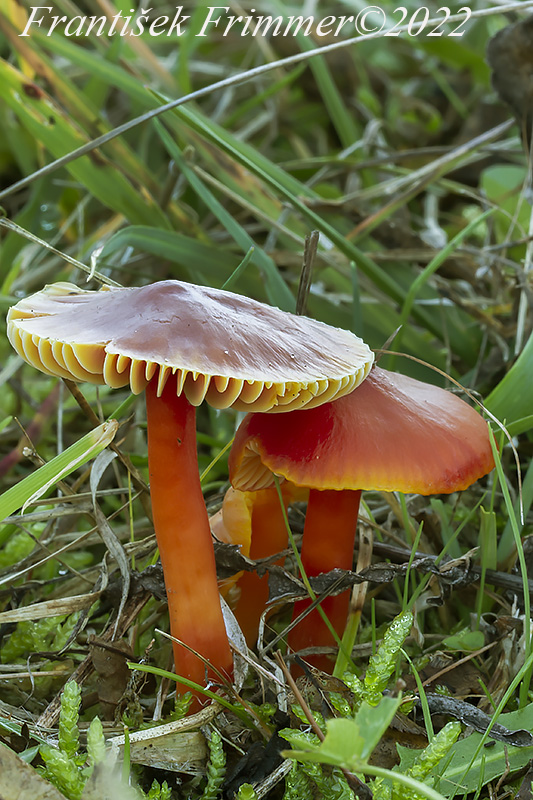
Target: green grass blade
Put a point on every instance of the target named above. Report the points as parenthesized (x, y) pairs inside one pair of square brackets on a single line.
[(507, 542), (292, 190), (524, 686), (215, 263), (432, 267), (277, 290), (36, 484), (53, 128), (340, 116)]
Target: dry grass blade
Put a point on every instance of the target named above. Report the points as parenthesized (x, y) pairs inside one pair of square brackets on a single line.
[(50, 608)]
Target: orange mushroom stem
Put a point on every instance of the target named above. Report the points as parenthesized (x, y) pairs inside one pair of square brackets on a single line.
[(263, 515), (270, 536), (336, 512), (392, 433), (184, 536)]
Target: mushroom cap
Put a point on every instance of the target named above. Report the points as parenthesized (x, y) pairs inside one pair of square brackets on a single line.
[(393, 433), (222, 347)]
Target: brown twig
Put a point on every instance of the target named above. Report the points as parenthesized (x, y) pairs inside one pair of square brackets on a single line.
[(310, 248)]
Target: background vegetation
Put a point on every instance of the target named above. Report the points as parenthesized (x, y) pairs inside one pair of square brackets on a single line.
[(401, 154)]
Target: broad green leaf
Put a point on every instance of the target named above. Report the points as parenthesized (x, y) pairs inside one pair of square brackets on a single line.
[(510, 400), (489, 764), (503, 184), (5, 422), (520, 426), (349, 743), (373, 721), (466, 640), (343, 744), (458, 55)]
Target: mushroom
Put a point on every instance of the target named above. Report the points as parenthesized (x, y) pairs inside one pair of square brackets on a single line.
[(393, 433), (183, 344), (263, 514)]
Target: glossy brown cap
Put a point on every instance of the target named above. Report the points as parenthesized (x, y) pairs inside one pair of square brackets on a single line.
[(393, 433), (222, 347)]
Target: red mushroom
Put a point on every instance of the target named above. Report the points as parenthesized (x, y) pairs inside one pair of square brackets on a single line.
[(183, 344), (242, 514), (393, 433)]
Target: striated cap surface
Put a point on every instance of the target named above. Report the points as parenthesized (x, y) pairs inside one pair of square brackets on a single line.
[(222, 347), (393, 433)]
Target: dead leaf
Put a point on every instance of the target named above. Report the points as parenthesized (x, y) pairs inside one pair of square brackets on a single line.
[(524, 793), (476, 719), (510, 56), (176, 746), (19, 781), (110, 662)]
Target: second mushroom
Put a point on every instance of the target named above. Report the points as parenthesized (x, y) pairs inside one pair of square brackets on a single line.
[(393, 433)]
